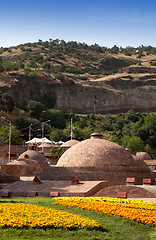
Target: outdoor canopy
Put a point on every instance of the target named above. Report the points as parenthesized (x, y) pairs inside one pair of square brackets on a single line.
[(39, 140)]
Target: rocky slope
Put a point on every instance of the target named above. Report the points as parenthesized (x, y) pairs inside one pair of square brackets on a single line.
[(131, 86), (112, 94)]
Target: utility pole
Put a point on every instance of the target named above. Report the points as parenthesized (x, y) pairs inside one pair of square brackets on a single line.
[(30, 131), (43, 134), (71, 130), (72, 135)]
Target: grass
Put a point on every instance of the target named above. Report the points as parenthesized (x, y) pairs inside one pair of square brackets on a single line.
[(115, 228)]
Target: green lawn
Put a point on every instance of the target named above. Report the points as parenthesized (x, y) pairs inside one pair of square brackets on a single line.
[(115, 228)]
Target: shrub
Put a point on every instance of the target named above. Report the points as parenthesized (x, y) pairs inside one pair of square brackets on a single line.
[(57, 151)]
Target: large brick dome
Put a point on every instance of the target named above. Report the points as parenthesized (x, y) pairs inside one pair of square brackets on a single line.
[(96, 153)]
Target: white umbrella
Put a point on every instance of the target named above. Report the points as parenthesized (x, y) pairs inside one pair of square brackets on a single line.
[(39, 140), (46, 140), (33, 140)]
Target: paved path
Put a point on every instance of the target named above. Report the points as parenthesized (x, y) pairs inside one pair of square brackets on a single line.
[(84, 188), (26, 184), (146, 199)]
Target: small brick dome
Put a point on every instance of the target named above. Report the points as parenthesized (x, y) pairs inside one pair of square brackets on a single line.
[(33, 155), (32, 163), (97, 153), (142, 156), (15, 162), (69, 143)]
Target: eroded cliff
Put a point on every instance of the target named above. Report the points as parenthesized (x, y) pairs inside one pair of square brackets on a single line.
[(110, 94)]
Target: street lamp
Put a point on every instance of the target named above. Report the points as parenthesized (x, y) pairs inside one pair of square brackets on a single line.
[(43, 133), (72, 135), (30, 131), (29, 135), (9, 135)]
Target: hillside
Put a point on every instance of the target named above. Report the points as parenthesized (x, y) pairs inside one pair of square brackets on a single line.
[(80, 78)]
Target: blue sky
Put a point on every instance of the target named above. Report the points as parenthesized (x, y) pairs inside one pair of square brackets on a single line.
[(105, 22)]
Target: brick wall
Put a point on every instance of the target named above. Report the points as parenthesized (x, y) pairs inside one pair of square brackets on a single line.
[(114, 175)]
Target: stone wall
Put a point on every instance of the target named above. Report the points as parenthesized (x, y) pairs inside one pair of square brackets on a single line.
[(114, 175)]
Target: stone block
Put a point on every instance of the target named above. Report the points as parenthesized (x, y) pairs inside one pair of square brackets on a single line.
[(5, 194), (32, 194), (122, 195), (147, 181), (54, 194), (130, 181)]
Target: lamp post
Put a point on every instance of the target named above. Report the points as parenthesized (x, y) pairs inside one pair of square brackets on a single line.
[(72, 135), (29, 136), (9, 136), (30, 131), (43, 134)]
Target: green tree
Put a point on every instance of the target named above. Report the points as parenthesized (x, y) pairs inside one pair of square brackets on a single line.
[(15, 135), (1, 65), (57, 135), (60, 76), (87, 131), (149, 150), (133, 143), (35, 109), (49, 98), (77, 130), (147, 130), (57, 151), (56, 117), (114, 49), (7, 103), (114, 138), (27, 69), (132, 116)]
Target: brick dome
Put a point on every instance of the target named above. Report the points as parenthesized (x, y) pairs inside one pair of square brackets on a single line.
[(19, 168), (96, 153), (33, 155), (70, 143), (142, 156), (32, 163), (15, 162)]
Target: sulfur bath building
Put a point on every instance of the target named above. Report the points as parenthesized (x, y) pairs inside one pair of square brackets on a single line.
[(96, 159)]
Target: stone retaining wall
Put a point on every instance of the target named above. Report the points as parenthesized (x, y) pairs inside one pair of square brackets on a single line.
[(114, 175)]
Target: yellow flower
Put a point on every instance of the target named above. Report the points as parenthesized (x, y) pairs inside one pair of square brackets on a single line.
[(27, 215), (141, 211)]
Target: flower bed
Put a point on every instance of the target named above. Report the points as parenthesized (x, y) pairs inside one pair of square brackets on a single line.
[(26, 215), (140, 211)]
